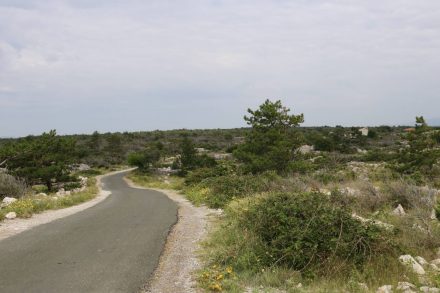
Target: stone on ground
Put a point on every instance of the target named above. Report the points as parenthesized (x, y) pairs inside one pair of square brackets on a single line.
[(409, 261), (7, 201), (399, 211), (385, 289), (11, 215)]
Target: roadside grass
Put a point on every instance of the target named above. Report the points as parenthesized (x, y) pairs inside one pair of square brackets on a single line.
[(28, 205), (151, 180), (233, 245), (235, 257)]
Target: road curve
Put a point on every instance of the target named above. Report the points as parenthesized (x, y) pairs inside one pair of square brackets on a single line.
[(113, 246)]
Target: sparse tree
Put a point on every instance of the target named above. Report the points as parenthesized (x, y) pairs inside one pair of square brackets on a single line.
[(145, 159), (43, 159), (272, 140), (188, 155), (422, 152)]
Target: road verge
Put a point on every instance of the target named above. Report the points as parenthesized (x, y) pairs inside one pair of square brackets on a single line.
[(179, 260)]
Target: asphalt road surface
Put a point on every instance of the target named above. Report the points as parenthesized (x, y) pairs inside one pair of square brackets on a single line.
[(111, 247)]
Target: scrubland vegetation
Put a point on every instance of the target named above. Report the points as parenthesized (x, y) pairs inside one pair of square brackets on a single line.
[(332, 218), (40, 173), (30, 204), (322, 209)]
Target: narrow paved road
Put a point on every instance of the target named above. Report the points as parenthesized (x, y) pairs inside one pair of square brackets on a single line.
[(111, 247)]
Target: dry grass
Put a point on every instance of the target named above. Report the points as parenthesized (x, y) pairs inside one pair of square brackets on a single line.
[(151, 180), (28, 205)]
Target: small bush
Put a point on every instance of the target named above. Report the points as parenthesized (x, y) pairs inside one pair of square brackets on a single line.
[(223, 189), (326, 176), (302, 166), (151, 180), (90, 172), (11, 186), (198, 175), (72, 185), (307, 232), (411, 196)]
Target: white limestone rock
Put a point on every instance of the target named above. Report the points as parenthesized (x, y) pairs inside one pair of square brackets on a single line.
[(83, 167), (374, 222), (421, 261), (399, 211), (434, 267), (61, 192), (10, 215), (405, 286), (325, 191), (385, 289), (7, 201), (409, 261)]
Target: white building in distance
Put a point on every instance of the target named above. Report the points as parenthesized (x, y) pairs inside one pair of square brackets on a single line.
[(364, 131)]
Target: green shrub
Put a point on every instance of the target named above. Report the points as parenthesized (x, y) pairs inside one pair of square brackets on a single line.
[(72, 185), (326, 176), (198, 175), (309, 233), (301, 166), (378, 155), (11, 186), (223, 189), (152, 180), (90, 172)]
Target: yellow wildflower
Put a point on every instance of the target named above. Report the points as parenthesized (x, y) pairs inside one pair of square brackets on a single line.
[(216, 287)]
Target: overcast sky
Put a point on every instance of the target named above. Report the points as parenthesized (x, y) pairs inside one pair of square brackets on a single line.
[(111, 65)]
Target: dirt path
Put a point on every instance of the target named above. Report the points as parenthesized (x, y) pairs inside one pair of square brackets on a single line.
[(179, 260)]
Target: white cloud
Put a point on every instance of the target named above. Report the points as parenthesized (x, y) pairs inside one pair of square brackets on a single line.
[(339, 62)]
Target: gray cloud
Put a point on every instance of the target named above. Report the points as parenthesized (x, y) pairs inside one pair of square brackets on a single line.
[(130, 65)]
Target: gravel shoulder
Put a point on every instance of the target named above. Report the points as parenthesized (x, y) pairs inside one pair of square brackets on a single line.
[(179, 260), (10, 228)]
